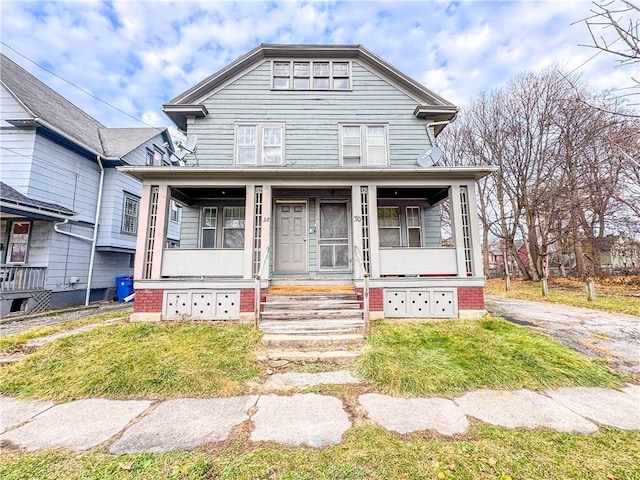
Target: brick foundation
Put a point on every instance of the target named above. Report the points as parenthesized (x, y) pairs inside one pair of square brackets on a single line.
[(376, 302), (247, 300), (470, 298), (148, 301)]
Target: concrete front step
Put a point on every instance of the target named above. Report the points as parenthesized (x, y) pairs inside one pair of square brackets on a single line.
[(312, 327), (308, 342), (295, 356), (311, 315), (322, 305)]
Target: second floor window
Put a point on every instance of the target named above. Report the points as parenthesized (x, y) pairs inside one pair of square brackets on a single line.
[(130, 215), (311, 75), (260, 144), (363, 145)]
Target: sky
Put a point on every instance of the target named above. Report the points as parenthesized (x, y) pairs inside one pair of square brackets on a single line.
[(138, 55)]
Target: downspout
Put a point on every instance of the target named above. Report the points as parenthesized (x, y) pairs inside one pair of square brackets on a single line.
[(94, 241), (94, 238)]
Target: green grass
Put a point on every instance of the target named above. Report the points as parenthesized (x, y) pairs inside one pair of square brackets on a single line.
[(12, 343), (367, 452), (454, 356), (608, 299), (156, 360)]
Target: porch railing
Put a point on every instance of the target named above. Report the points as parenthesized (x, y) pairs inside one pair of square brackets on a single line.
[(258, 290), (21, 279), (365, 290)]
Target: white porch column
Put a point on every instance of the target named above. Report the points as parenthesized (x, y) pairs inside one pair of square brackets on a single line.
[(249, 230), (474, 224), (356, 212), (456, 226), (151, 238), (160, 237), (143, 232), (266, 227), (374, 240)]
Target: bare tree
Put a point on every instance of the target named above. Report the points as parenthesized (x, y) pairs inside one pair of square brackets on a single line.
[(561, 174), (614, 26)]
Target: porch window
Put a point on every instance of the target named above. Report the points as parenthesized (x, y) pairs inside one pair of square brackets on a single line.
[(233, 227), (414, 227), (311, 75), (389, 226), (18, 242), (209, 224), (259, 144), (400, 226), (222, 231), (364, 145), (174, 211), (130, 215)]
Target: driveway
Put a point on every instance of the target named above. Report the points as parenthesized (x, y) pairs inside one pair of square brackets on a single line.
[(614, 337)]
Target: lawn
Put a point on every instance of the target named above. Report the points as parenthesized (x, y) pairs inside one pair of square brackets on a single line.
[(154, 360), (367, 452), (453, 356), (13, 343), (621, 296), (175, 359), (171, 359)]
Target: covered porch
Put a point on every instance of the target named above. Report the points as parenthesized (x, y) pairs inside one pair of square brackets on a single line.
[(243, 231)]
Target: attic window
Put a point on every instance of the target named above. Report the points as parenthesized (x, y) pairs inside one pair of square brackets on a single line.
[(311, 75)]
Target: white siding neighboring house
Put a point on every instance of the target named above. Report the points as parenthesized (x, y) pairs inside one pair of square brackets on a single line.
[(312, 170), (58, 167)]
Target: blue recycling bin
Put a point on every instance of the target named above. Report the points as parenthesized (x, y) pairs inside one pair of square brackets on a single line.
[(124, 287)]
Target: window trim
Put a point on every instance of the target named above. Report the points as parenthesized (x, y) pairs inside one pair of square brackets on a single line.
[(364, 144), (11, 242), (311, 77), (203, 228), (259, 155), (413, 227), (129, 196)]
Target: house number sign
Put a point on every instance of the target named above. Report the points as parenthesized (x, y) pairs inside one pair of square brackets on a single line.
[(357, 218)]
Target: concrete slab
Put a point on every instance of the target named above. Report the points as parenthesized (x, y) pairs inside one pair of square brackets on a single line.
[(602, 405), (78, 425), (404, 415), (184, 424), (633, 390), (309, 419), (292, 379), (522, 408), (14, 411)]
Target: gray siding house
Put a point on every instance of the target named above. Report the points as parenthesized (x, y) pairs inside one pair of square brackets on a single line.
[(69, 218), (315, 171)]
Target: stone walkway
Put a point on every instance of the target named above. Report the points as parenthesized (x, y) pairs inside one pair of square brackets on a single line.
[(136, 426)]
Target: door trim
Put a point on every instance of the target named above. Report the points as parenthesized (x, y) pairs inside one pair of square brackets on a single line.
[(347, 204)]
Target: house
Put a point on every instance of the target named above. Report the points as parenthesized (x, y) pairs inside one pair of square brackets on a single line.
[(315, 168), (69, 218), (619, 253)]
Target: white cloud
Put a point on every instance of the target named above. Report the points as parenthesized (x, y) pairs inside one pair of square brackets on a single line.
[(138, 55)]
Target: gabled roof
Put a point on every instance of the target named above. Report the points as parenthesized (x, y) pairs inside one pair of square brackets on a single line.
[(189, 102), (13, 202), (51, 110), (117, 142), (45, 103)]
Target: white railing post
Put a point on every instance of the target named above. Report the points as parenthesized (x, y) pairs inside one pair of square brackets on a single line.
[(365, 291), (258, 288)]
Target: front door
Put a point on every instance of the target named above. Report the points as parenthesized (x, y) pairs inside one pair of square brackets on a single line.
[(291, 237)]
